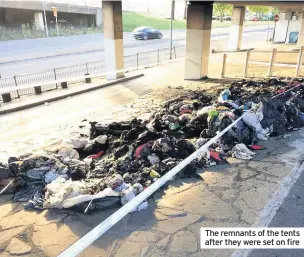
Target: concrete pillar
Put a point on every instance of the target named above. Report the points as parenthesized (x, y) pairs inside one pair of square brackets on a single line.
[(98, 18), (301, 33), (38, 17), (199, 21), (113, 38), (2, 16), (236, 28)]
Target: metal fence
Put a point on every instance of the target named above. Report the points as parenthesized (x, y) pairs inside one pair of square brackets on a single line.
[(69, 72)]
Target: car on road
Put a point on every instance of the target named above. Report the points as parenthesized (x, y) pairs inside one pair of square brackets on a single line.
[(227, 18), (255, 18), (146, 33)]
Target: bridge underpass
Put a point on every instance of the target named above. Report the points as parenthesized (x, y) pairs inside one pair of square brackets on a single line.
[(198, 35)]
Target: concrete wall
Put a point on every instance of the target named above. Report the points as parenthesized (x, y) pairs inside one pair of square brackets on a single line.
[(90, 3), (1, 16), (14, 18), (281, 29), (294, 26), (68, 6)]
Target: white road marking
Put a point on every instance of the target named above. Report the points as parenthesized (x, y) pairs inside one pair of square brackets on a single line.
[(271, 208)]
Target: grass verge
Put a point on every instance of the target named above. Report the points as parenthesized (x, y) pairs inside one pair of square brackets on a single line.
[(131, 20)]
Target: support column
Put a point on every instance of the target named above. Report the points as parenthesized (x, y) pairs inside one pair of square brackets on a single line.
[(2, 19), (300, 42), (98, 18), (236, 28), (199, 20), (38, 17), (113, 38)]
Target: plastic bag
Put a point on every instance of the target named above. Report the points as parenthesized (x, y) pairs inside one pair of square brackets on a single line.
[(240, 151), (252, 120), (70, 153), (102, 139), (76, 143)]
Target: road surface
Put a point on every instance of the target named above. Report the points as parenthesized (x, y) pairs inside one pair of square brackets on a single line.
[(290, 214), (27, 56)]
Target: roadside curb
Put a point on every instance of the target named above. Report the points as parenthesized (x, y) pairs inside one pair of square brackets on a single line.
[(30, 105)]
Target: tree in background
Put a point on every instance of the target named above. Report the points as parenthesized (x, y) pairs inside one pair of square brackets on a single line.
[(274, 10), (222, 10), (259, 10)]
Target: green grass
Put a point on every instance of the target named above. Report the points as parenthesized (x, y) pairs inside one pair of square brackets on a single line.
[(133, 20)]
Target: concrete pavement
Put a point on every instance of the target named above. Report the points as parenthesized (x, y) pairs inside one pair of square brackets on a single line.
[(290, 214)]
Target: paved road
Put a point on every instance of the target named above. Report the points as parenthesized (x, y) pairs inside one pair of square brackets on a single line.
[(89, 48), (290, 214)]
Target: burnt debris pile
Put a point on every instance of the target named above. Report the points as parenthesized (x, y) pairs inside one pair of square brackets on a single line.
[(117, 161)]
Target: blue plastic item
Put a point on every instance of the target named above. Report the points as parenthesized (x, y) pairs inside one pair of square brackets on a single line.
[(293, 37)]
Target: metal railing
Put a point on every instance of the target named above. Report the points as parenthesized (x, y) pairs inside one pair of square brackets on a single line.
[(89, 68)]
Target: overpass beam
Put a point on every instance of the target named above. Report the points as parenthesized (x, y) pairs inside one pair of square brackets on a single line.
[(39, 23), (199, 21), (113, 38), (236, 28), (300, 42)]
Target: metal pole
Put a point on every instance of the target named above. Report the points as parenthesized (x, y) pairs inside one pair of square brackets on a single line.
[(275, 25), (57, 26), (55, 76), (137, 60), (246, 64), (172, 14), (224, 66), (268, 29), (272, 60), (16, 84), (299, 61), (157, 56), (45, 21)]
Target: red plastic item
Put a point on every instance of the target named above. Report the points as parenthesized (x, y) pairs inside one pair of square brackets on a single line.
[(215, 155), (96, 156), (295, 83), (280, 91), (256, 147), (139, 149), (186, 111)]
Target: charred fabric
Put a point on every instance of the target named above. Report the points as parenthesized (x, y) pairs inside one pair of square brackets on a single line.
[(117, 161)]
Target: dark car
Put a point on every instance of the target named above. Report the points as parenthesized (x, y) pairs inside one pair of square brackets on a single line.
[(146, 33)]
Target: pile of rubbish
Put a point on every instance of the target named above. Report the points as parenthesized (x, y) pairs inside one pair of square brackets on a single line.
[(117, 161)]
